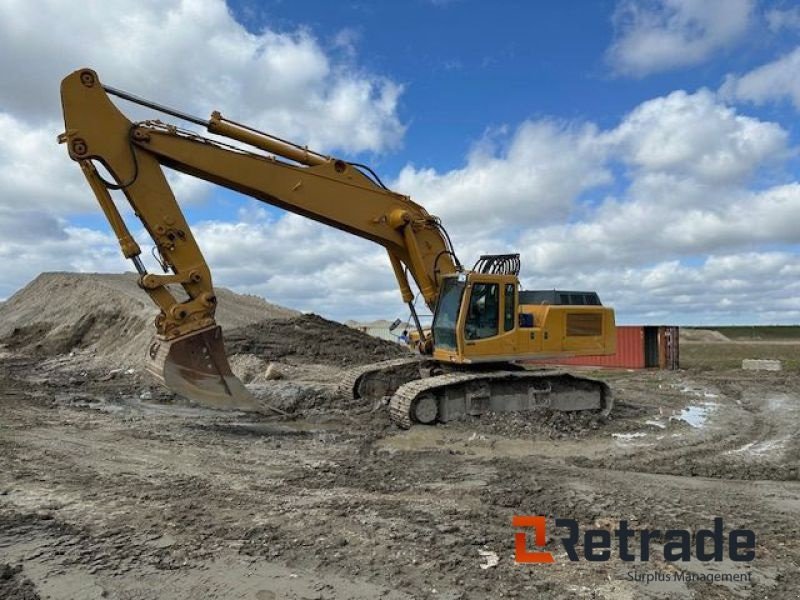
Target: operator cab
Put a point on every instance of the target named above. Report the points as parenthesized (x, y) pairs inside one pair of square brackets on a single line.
[(482, 316)]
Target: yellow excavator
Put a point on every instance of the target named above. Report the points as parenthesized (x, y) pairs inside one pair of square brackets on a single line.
[(467, 363)]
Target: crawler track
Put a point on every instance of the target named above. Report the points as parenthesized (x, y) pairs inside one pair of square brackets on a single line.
[(459, 394), (383, 378)]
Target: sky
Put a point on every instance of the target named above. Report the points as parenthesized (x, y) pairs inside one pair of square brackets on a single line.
[(644, 149)]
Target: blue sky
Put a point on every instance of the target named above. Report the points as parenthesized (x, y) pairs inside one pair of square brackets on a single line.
[(647, 149), (467, 65)]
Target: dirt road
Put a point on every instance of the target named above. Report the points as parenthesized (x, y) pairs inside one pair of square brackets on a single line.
[(104, 495)]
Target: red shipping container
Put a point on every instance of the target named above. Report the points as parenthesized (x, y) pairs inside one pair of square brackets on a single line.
[(638, 347)]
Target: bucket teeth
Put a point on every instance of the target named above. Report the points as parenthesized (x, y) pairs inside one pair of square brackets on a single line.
[(196, 367)]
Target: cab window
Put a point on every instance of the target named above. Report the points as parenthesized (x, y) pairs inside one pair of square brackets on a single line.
[(484, 311), (509, 310)]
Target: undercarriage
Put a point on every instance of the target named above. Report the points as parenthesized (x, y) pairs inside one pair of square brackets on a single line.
[(423, 391)]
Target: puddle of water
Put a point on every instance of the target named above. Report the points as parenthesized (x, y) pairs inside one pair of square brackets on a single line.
[(695, 415), (627, 437), (134, 405), (696, 391)]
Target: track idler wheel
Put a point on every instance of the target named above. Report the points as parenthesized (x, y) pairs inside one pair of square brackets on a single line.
[(426, 409)]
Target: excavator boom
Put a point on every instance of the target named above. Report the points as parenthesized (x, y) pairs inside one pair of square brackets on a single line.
[(188, 354)]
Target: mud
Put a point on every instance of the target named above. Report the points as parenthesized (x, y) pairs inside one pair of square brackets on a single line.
[(110, 488), (13, 584)]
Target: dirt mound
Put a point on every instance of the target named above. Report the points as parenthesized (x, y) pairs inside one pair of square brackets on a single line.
[(310, 339), (702, 335), (104, 317)]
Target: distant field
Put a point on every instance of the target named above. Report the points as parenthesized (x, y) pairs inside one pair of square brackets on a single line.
[(729, 355), (757, 332)]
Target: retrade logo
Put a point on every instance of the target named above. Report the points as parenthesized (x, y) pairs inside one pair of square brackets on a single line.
[(598, 545)]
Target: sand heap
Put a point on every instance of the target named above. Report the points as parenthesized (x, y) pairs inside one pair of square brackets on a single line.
[(106, 321), (689, 334), (106, 316)]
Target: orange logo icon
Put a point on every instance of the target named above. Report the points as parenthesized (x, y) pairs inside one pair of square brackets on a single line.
[(521, 552)]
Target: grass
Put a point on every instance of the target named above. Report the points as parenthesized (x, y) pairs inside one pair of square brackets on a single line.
[(723, 355)]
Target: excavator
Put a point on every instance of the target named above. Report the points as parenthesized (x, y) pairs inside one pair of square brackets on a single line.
[(471, 359)]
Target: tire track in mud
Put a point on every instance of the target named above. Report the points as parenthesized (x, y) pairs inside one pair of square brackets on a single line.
[(719, 448)]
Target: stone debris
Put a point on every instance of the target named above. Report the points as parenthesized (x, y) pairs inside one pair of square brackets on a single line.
[(752, 364)]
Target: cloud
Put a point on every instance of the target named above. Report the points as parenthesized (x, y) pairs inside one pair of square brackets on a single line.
[(36, 172), (669, 186), (637, 232), (773, 82), (743, 287), (658, 35), (689, 161), (530, 177), (680, 150), (299, 263), (196, 56), (694, 135), (33, 242), (778, 19)]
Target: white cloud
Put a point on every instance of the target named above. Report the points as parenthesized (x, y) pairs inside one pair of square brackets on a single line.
[(659, 35), (682, 150), (744, 287), (194, 55), (533, 179), (775, 81), (638, 232), (694, 135), (33, 242), (35, 172), (681, 190), (300, 263)]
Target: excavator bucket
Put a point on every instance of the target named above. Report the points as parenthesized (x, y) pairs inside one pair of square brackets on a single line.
[(196, 367)]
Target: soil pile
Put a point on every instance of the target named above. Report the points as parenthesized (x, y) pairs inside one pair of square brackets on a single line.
[(103, 316), (702, 335), (310, 339)]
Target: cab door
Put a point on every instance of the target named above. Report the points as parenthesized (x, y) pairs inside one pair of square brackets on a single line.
[(490, 318)]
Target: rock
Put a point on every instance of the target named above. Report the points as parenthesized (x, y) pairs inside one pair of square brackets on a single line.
[(751, 364), (165, 541), (273, 372)]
